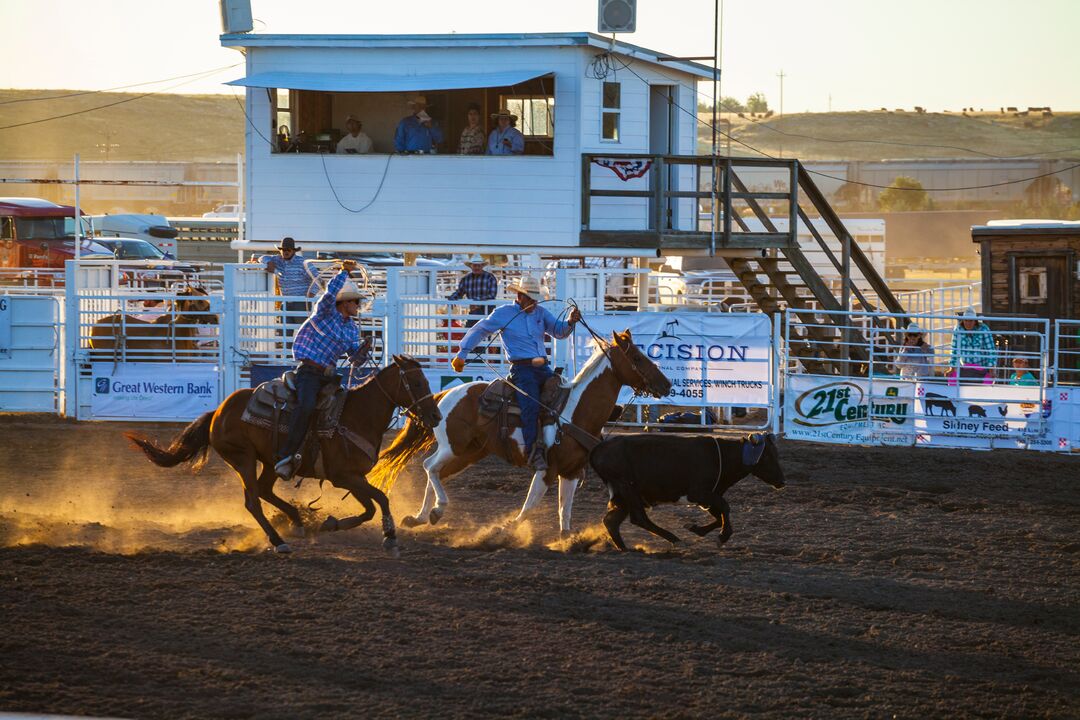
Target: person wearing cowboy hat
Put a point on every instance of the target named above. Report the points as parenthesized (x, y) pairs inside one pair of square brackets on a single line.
[(916, 357), (417, 133), (293, 278), (476, 285), (522, 326), (973, 353), (328, 332), (356, 141), (505, 139)]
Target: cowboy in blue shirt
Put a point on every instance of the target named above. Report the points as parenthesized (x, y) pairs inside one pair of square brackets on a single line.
[(417, 133), (523, 326)]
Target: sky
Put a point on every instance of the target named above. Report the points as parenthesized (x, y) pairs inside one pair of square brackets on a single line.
[(835, 54)]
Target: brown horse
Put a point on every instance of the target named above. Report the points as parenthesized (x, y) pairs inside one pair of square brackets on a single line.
[(346, 457), (462, 438), (174, 333)]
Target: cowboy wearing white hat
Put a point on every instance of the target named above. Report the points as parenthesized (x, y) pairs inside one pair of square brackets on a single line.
[(328, 332), (522, 326), (476, 285), (916, 357), (417, 133), (505, 139)]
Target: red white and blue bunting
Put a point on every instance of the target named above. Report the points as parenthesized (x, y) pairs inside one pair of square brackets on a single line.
[(625, 169)]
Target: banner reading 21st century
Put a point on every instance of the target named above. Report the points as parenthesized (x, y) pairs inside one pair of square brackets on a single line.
[(711, 358)]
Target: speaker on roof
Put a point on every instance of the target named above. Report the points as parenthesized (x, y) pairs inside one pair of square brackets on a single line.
[(617, 16), (236, 16)]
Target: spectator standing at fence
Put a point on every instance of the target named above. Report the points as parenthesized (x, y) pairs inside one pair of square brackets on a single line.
[(356, 141), (1022, 374), (505, 139), (329, 332), (916, 358), (293, 278), (417, 133), (473, 140), (478, 284), (973, 352)]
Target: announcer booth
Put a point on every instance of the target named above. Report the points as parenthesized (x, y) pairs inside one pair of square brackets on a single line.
[(575, 95)]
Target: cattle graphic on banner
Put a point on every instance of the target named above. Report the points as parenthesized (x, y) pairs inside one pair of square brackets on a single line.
[(849, 410), (981, 416), (711, 359)]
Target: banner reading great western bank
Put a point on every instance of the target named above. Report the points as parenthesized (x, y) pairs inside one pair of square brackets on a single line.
[(154, 391), (711, 358)]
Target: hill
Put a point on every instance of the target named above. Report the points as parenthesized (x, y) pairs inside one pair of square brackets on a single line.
[(899, 135), (156, 127), (211, 127)]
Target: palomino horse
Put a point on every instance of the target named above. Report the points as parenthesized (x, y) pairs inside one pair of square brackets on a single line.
[(346, 457), (462, 439), (174, 332)]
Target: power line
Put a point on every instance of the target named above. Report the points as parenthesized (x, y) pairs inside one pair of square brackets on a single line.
[(113, 89), (833, 177), (112, 104)]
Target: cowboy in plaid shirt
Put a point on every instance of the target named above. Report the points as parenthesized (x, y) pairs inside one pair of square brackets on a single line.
[(476, 285), (327, 333)]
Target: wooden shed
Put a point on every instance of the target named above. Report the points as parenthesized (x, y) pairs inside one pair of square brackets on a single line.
[(1029, 267)]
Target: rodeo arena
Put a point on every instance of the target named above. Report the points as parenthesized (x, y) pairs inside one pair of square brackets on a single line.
[(469, 430)]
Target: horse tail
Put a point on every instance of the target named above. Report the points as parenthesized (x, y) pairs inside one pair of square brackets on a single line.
[(191, 445), (413, 439)]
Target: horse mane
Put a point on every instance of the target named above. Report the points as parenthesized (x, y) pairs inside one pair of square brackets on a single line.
[(590, 365)]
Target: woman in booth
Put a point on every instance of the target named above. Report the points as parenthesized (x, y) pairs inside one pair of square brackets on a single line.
[(473, 141)]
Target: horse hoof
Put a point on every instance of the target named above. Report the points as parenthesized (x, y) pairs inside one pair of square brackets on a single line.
[(409, 521), (330, 524), (282, 549), (297, 531), (391, 547), (436, 515)]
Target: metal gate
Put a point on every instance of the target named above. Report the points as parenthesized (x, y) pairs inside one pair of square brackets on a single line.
[(30, 367)]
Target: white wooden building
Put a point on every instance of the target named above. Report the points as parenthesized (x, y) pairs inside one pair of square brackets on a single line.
[(577, 94)]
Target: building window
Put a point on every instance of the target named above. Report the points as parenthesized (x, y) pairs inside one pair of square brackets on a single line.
[(612, 105), (283, 113), (536, 115), (1033, 285)]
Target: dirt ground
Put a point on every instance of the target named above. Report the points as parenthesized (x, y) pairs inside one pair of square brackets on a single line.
[(879, 583)]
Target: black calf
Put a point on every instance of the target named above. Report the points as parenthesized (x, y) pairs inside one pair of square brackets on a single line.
[(644, 470)]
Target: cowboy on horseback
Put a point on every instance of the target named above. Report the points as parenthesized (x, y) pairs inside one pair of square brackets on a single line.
[(328, 332), (522, 326)]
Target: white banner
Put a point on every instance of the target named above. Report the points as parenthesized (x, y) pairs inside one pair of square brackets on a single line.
[(853, 411), (711, 358), (981, 416), (155, 391)]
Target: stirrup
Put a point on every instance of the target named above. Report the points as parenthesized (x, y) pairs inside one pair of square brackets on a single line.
[(538, 457), (286, 467)]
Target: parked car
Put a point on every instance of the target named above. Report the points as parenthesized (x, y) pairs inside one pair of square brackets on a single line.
[(133, 249), (155, 229)]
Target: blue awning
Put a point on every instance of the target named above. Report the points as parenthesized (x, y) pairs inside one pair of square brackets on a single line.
[(332, 82)]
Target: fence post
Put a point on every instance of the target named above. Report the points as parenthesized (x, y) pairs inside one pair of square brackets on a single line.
[(71, 339), (562, 290), (393, 330), (229, 332)]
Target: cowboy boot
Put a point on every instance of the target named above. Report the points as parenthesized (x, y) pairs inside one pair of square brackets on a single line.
[(286, 467)]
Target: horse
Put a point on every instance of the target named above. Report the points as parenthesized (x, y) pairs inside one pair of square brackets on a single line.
[(176, 332), (346, 457), (461, 438)]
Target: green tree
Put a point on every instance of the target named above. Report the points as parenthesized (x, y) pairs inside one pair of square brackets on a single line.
[(757, 103), (730, 104), (904, 193)]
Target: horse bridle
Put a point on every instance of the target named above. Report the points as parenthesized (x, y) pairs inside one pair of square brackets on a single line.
[(403, 375), (605, 347)]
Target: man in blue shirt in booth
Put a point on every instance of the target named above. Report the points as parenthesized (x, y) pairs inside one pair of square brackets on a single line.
[(417, 133), (523, 325), (505, 139), (328, 332)]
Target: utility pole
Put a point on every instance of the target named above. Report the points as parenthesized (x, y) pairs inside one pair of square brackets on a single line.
[(830, 102), (781, 75)]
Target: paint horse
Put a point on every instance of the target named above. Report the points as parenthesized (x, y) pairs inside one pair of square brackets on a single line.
[(462, 438), (345, 457)]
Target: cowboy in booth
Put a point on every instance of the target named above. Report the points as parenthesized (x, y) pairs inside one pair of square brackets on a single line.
[(418, 132), (523, 325), (328, 332)]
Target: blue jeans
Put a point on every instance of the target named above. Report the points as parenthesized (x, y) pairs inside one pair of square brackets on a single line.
[(309, 382), (531, 380)]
